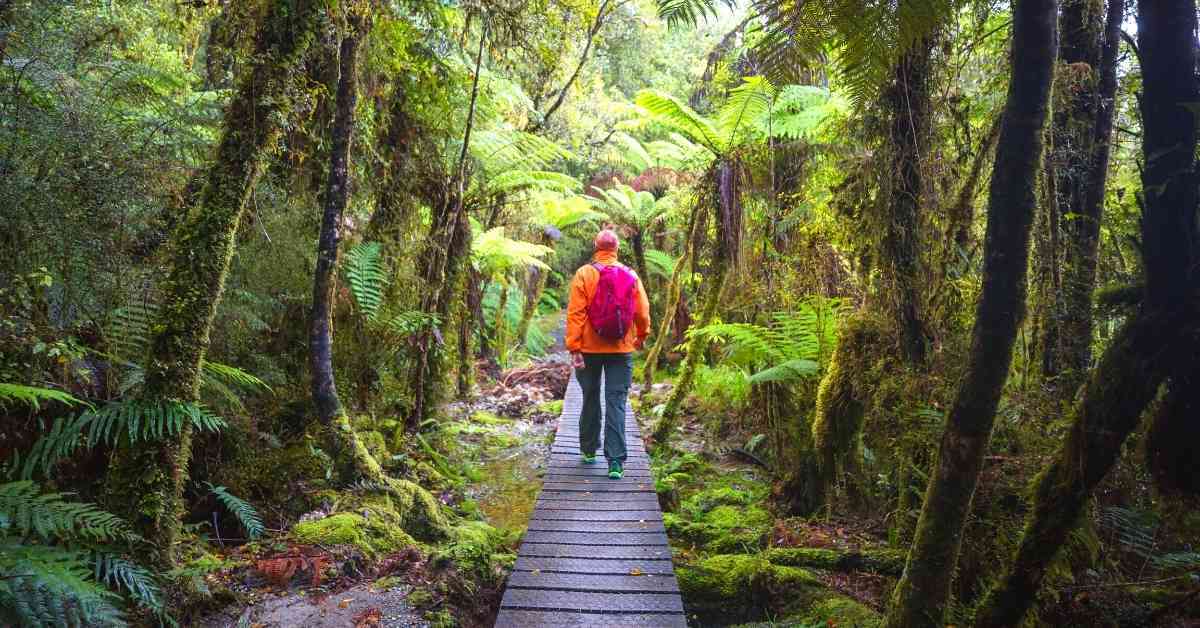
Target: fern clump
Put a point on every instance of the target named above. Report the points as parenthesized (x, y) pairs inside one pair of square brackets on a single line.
[(60, 562), (246, 514)]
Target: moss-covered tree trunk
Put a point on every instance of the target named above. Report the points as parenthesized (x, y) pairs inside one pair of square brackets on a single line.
[(669, 421), (910, 107), (1160, 342), (145, 484), (1082, 130), (351, 458), (921, 595), (537, 285), (671, 306)]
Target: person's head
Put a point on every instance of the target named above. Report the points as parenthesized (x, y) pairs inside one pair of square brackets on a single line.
[(607, 240)]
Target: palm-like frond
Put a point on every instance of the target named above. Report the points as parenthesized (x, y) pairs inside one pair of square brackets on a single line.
[(801, 112), (502, 150), (793, 346), (495, 253), (660, 263), (523, 180), (690, 12), (635, 208), (747, 105), (562, 212), (28, 513), (674, 113), (634, 153)]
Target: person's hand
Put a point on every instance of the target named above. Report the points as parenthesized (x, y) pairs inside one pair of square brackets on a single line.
[(577, 359)]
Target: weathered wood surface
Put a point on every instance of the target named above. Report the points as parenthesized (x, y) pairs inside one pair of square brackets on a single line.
[(595, 553)]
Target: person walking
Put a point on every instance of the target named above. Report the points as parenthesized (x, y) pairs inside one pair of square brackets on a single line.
[(608, 318)]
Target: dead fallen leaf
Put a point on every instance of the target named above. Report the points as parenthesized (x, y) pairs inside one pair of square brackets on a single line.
[(345, 603), (636, 572)]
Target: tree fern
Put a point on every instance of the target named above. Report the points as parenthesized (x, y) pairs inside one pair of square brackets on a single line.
[(34, 396), (128, 421), (246, 514), (747, 105), (366, 276), (792, 347), (522, 180), (680, 117), (690, 12), (660, 263)]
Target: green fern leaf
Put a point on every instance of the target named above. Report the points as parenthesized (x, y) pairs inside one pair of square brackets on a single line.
[(364, 270), (34, 396), (245, 513)]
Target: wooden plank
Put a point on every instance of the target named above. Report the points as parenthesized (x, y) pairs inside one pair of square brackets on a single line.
[(579, 619), (552, 550), (597, 539), (598, 497), (598, 527), (596, 602), (601, 487), (589, 582), (594, 565), (591, 512)]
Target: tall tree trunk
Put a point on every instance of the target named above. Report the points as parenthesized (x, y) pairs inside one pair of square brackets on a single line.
[(911, 109), (921, 595), (1082, 131), (671, 306), (666, 425), (146, 483), (352, 458), (1160, 342)]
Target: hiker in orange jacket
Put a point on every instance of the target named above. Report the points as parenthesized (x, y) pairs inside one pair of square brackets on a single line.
[(593, 353)]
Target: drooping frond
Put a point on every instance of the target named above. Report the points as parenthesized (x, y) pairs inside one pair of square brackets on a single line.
[(690, 12), (634, 153), (233, 375), (367, 279), (122, 574), (800, 112), (119, 421), (500, 150), (522, 180), (52, 586), (791, 370), (867, 38), (28, 513), (793, 346), (558, 211), (246, 514), (674, 113), (33, 396), (495, 253), (660, 263), (747, 105)]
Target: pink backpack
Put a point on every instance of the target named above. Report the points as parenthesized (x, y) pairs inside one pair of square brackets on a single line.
[(611, 309)]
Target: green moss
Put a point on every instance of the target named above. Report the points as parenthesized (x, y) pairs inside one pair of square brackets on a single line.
[(376, 444), (551, 407), (387, 582), (739, 587), (479, 551), (881, 561), (840, 611), (372, 536), (489, 418)]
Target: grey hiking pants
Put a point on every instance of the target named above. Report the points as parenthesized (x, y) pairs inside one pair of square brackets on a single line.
[(618, 375)]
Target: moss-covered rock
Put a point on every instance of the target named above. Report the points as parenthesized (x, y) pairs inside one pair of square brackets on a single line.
[(376, 444), (740, 587), (373, 536), (478, 551), (736, 587)]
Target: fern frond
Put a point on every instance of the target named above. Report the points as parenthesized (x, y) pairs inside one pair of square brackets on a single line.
[(365, 274), (121, 574), (134, 420), (129, 331), (660, 263), (521, 180), (34, 396), (502, 150), (690, 12), (27, 512), (246, 514), (674, 113), (791, 370), (494, 253), (233, 375), (52, 586), (748, 104)]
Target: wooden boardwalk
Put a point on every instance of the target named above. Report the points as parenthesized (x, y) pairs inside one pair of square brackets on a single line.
[(595, 553)]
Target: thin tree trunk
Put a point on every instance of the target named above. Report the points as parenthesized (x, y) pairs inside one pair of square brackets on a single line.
[(921, 595), (673, 301), (1159, 342), (670, 417), (911, 110), (146, 483), (1082, 129)]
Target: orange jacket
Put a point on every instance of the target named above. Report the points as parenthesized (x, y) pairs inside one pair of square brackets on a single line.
[(581, 337)]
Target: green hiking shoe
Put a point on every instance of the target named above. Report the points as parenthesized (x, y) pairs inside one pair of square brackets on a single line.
[(615, 470), (589, 458)]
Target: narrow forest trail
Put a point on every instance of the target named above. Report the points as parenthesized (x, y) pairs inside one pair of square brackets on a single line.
[(595, 552)]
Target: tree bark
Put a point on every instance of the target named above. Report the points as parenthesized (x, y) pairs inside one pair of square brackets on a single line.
[(146, 484), (337, 195), (911, 111), (1082, 131), (1159, 343), (921, 595)]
